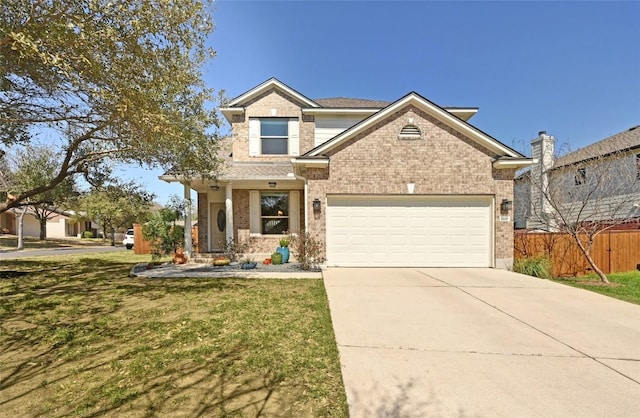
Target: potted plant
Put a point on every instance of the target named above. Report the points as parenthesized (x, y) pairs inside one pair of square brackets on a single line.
[(179, 257), (276, 258), (221, 261), (248, 264), (284, 249)]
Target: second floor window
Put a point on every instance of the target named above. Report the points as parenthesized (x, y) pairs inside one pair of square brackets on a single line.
[(274, 136), (581, 176)]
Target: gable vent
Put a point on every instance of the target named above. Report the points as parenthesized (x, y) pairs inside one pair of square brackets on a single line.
[(410, 132)]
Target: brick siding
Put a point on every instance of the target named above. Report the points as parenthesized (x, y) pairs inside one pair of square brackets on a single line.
[(443, 162), (287, 107)]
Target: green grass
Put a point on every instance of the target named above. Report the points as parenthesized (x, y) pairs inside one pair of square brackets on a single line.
[(534, 266), (624, 286), (78, 337), (9, 242)]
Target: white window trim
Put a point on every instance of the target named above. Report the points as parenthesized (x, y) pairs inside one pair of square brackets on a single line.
[(255, 213), (292, 138)]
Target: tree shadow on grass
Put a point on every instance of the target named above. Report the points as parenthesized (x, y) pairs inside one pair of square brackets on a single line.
[(189, 388), (67, 337)]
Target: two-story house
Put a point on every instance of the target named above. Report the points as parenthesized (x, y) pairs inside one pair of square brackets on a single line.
[(598, 184), (407, 183)]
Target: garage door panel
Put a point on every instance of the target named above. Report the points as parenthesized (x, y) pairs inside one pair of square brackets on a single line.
[(409, 231)]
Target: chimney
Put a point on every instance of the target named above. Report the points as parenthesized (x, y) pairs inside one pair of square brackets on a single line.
[(542, 151)]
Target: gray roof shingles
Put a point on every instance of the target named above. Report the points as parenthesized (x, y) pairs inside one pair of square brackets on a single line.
[(622, 141), (258, 170), (346, 102)]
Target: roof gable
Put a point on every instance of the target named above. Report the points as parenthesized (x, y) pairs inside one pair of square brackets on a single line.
[(272, 83), (439, 113)]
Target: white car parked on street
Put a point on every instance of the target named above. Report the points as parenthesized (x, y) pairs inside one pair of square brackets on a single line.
[(128, 239)]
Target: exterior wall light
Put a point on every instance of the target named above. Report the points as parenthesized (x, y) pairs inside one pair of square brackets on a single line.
[(316, 205), (506, 205), (272, 184), (215, 187)]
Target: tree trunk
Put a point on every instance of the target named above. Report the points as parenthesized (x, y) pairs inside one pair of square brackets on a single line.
[(587, 254), (21, 228), (43, 228), (104, 233), (113, 237)]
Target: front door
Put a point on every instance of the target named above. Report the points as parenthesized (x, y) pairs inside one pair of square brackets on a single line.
[(218, 227)]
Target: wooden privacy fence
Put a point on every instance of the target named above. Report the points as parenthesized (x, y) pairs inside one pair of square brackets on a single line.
[(613, 251), (142, 246)]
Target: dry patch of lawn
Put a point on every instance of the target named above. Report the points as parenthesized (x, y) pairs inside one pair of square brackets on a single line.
[(80, 338), (10, 242)]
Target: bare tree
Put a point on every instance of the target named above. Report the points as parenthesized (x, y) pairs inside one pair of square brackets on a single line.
[(587, 192)]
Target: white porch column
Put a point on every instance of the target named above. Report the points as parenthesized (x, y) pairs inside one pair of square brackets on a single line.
[(188, 238), (306, 205), (229, 211)]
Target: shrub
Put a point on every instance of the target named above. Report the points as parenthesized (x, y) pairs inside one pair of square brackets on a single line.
[(233, 249), (307, 250), (539, 266), (163, 233), (87, 234)]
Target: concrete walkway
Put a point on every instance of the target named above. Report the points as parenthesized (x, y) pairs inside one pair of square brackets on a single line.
[(482, 343)]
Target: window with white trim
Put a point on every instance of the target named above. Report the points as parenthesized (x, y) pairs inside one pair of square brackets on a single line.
[(274, 136), (274, 212)]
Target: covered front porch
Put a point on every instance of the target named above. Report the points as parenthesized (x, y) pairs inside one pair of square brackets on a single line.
[(250, 216)]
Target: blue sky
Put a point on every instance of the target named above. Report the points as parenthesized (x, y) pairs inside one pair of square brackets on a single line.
[(570, 68)]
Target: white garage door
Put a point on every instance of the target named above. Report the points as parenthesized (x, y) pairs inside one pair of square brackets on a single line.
[(410, 231)]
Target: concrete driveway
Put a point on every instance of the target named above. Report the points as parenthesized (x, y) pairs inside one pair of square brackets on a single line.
[(481, 343)]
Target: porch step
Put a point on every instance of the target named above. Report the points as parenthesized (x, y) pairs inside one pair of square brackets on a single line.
[(207, 257)]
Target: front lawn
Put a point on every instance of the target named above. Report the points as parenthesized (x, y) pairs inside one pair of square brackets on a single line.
[(624, 286), (10, 242), (78, 337)]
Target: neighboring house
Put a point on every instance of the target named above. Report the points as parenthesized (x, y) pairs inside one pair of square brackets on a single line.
[(59, 225), (407, 183), (572, 179)]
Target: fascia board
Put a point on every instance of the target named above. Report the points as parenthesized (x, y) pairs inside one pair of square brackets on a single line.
[(271, 83), (336, 110), (311, 162), (228, 112), (431, 109), (514, 163)]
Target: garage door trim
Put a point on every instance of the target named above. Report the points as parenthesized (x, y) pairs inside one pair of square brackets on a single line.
[(469, 214)]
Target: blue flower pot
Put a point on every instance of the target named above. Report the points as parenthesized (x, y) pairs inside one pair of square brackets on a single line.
[(285, 253), (248, 266)]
